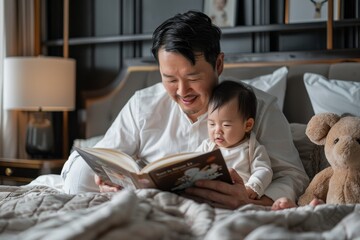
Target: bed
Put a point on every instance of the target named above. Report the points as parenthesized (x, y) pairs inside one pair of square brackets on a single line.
[(41, 211)]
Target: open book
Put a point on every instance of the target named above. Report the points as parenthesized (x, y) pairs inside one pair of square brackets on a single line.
[(172, 173)]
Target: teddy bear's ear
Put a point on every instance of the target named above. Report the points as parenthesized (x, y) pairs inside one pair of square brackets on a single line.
[(319, 126)]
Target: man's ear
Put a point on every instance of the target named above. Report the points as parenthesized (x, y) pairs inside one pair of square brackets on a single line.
[(220, 63), (249, 124)]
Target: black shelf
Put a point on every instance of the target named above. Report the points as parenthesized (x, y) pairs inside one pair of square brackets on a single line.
[(290, 27), (98, 40), (226, 31)]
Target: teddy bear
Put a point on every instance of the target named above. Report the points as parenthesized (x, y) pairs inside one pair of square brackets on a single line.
[(340, 182)]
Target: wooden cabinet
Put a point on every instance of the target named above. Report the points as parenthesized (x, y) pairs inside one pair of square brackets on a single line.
[(23, 171)]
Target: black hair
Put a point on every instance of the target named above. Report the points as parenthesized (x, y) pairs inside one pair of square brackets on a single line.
[(189, 34), (228, 90)]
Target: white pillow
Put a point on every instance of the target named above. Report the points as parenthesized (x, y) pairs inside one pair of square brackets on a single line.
[(274, 84), (336, 96)]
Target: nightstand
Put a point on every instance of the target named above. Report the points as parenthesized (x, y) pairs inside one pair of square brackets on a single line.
[(23, 171)]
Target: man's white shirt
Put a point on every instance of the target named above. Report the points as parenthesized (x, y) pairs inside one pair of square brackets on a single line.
[(151, 125)]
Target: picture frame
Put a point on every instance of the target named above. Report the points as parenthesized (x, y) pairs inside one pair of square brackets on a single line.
[(300, 11), (221, 12)]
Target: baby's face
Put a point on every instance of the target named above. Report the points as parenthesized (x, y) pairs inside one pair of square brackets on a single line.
[(225, 125)]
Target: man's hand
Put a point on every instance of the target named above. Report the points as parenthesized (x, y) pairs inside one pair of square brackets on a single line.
[(105, 187), (224, 195)]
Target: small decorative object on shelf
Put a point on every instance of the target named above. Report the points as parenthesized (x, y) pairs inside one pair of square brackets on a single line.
[(221, 12), (309, 10)]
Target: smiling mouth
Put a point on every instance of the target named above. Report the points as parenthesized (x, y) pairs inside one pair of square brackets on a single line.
[(188, 100)]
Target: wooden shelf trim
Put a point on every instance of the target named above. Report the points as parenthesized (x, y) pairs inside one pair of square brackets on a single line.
[(32, 163), (17, 179)]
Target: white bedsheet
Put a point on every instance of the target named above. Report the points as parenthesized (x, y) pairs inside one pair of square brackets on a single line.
[(50, 180)]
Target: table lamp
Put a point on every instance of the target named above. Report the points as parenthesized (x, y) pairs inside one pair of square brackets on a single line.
[(39, 85)]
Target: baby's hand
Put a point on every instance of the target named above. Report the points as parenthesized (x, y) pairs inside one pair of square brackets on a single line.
[(251, 193)]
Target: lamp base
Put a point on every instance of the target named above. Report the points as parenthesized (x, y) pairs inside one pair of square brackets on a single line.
[(40, 135)]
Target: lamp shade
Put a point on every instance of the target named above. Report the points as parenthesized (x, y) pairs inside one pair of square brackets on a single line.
[(33, 83)]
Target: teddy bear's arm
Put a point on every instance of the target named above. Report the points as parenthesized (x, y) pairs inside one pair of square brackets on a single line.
[(317, 188)]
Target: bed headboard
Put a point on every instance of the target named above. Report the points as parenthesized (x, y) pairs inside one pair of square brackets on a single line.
[(101, 111)]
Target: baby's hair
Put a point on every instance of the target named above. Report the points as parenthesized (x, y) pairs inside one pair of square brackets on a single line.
[(228, 90)]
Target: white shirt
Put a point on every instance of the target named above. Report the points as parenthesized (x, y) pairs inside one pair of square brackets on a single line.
[(151, 125), (249, 159)]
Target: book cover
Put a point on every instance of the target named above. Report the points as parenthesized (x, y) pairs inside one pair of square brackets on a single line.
[(172, 173), (181, 175)]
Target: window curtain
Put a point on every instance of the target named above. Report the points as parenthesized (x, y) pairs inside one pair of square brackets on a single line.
[(18, 24), (2, 56)]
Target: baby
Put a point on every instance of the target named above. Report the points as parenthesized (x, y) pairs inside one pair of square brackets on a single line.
[(231, 117)]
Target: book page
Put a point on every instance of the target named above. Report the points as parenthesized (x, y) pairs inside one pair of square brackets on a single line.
[(113, 167), (119, 178), (113, 156), (169, 160)]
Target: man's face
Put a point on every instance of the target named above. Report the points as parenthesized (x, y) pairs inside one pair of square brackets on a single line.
[(189, 85)]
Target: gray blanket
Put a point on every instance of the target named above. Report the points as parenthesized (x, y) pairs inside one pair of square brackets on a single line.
[(40, 212)]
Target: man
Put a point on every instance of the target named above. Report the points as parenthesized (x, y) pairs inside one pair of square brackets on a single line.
[(171, 117)]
